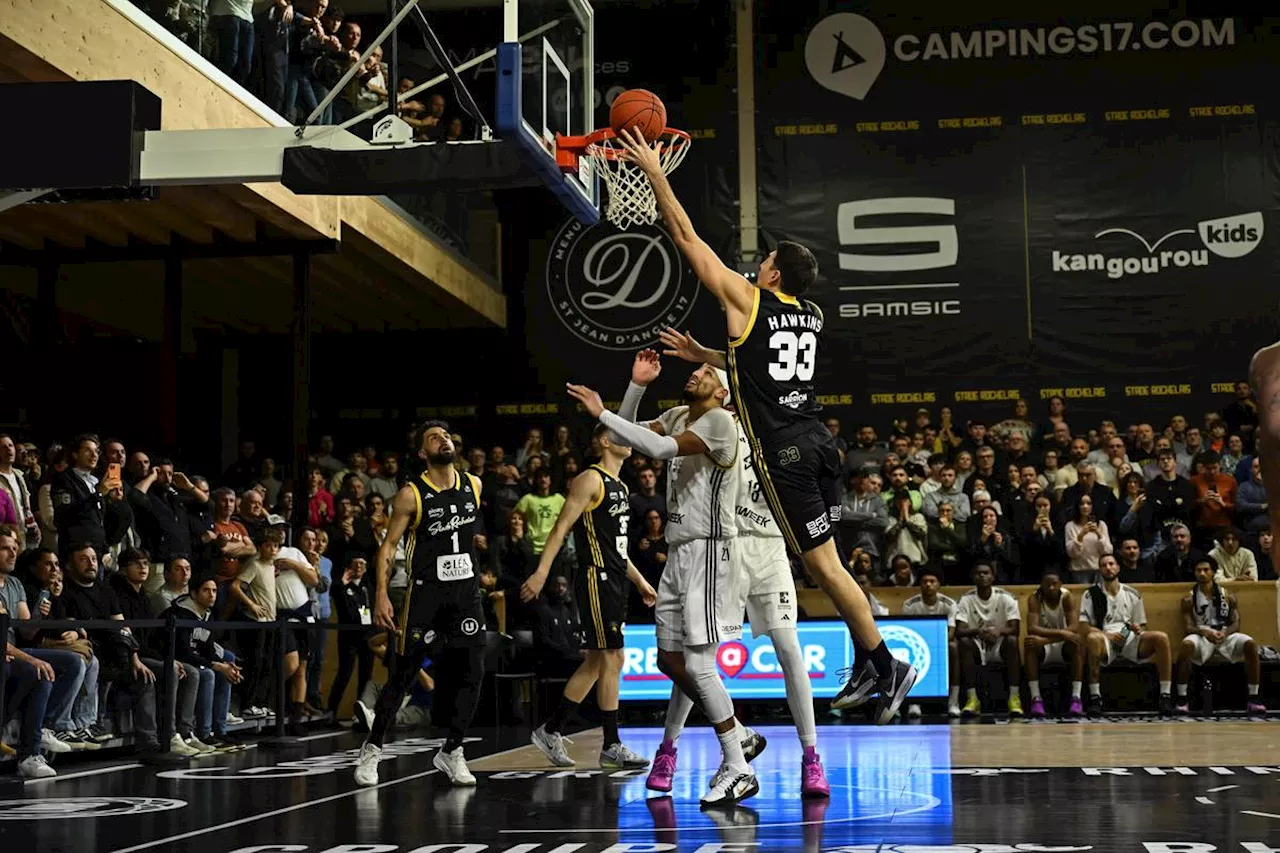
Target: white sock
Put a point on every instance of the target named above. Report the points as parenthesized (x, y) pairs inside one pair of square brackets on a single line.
[(786, 647), (953, 695), (1095, 690), (678, 709), (1182, 691), (1253, 689), (971, 694), (731, 747), (1034, 688), (1166, 687), (1075, 689)]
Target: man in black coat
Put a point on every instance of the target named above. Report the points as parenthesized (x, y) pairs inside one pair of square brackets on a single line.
[(85, 509)]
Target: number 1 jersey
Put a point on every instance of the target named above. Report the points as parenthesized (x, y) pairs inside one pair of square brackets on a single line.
[(771, 365)]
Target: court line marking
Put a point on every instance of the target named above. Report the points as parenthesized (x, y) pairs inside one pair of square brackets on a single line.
[(1221, 788), (1204, 801), (298, 806), (324, 735), (63, 777), (1262, 814)]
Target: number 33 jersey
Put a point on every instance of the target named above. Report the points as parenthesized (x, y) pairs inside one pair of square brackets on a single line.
[(771, 365)]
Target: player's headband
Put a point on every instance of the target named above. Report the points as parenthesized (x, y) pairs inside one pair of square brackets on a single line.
[(724, 381)]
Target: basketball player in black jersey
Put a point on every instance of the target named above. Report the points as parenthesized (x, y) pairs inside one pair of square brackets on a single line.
[(437, 515), (596, 511), (771, 358)]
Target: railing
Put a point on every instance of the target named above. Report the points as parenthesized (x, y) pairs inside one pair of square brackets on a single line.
[(463, 224), (167, 718)]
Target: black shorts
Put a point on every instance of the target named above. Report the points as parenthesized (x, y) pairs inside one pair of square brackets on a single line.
[(441, 614), (602, 606), (799, 472)]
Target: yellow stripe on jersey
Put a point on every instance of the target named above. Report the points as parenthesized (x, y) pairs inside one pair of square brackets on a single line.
[(751, 322), (593, 593), (757, 455), (593, 541)]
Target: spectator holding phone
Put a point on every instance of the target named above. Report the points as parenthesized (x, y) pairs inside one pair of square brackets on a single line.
[(1088, 541)]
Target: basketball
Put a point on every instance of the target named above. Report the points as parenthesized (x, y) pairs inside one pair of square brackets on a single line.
[(639, 109)]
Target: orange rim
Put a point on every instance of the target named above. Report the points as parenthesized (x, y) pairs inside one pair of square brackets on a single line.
[(576, 146)]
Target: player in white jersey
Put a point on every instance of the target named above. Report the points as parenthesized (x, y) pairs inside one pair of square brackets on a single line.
[(987, 625), (761, 555), (700, 595), (1053, 637), (932, 602), (1212, 622), (1118, 621)]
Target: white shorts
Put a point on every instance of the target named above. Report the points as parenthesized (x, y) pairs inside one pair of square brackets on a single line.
[(989, 654), (1231, 649), (771, 591), (1053, 654), (1128, 651), (700, 596)]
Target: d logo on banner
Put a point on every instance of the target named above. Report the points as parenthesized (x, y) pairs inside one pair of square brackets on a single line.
[(616, 289), (845, 53)]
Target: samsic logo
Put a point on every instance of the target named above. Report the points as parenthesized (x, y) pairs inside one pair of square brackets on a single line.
[(896, 239), (1228, 237)]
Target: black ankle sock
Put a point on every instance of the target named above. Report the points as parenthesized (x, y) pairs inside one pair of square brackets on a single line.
[(451, 743), (562, 713), (609, 719), (859, 658), (882, 660)]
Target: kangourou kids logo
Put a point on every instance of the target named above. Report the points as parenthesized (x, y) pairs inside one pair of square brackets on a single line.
[(1124, 252)]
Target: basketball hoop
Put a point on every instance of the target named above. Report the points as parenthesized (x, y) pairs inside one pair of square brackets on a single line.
[(631, 199)]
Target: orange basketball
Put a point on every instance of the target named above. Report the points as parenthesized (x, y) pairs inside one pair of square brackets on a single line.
[(639, 109)]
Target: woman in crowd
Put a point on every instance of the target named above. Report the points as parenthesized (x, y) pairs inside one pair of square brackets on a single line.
[(1087, 541)]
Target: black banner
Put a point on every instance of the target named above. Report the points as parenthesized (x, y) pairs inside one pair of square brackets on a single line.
[(1083, 206), (597, 295)]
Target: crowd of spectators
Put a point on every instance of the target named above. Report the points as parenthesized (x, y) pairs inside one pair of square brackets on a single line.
[(292, 53), (94, 530)]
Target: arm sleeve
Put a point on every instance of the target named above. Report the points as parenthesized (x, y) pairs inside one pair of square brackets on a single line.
[(631, 401), (640, 437)]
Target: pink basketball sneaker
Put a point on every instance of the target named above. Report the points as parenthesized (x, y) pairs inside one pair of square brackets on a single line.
[(813, 777), (664, 769)]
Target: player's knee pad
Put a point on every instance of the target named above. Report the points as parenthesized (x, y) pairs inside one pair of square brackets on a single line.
[(462, 666), (700, 661)]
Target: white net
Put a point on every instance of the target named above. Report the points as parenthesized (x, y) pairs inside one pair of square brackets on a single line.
[(631, 200)]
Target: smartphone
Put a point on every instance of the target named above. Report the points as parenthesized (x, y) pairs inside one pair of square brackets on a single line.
[(113, 472), (44, 596)]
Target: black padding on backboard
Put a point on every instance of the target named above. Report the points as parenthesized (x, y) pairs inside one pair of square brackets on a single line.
[(100, 147), (460, 166)]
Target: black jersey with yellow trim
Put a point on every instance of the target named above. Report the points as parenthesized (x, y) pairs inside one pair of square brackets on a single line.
[(443, 530), (600, 536), (772, 363)]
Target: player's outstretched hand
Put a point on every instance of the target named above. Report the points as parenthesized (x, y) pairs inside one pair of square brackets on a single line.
[(647, 366), (384, 615), (640, 152), (588, 398), (682, 345)]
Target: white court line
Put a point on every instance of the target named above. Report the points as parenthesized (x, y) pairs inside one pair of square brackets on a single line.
[(1204, 801), (325, 735), (1221, 788), (275, 812), (63, 777), (1262, 814)]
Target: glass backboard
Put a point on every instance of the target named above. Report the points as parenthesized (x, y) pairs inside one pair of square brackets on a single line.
[(555, 91)]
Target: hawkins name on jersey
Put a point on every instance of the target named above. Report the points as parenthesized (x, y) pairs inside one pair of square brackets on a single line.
[(754, 516)]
